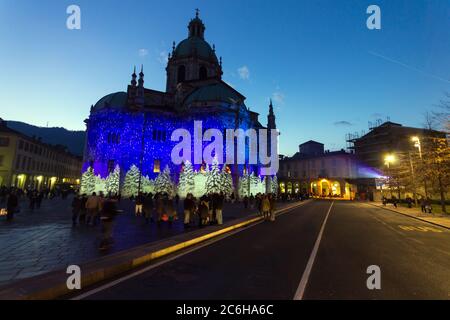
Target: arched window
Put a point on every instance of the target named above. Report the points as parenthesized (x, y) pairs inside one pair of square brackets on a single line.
[(181, 73), (203, 74)]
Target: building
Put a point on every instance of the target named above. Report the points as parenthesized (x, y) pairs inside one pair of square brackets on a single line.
[(27, 162), (318, 172), (392, 151), (388, 138), (132, 129)]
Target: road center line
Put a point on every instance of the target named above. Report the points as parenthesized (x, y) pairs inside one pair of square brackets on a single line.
[(305, 277)]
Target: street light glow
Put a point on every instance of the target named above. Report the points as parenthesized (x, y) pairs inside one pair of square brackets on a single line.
[(389, 158)]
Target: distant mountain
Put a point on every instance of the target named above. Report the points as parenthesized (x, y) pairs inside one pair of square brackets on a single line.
[(73, 140)]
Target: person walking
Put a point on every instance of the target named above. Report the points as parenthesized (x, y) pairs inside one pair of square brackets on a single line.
[(188, 206), (76, 208), (423, 204), (265, 207), (107, 218), (148, 208), (83, 210), (92, 205), (272, 201), (218, 203), (139, 204), (11, 205)]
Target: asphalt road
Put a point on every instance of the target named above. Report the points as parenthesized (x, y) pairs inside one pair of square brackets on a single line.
[(271, 260)]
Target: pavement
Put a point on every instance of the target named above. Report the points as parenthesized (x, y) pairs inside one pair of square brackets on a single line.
[(43, 240), (320, 250), (437, 219)]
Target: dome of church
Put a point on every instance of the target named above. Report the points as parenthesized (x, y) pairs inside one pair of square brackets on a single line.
[(116, 100), (214, 92), (195, 46)]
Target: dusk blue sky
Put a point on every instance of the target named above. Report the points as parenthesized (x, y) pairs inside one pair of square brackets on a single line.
[(325, 71)]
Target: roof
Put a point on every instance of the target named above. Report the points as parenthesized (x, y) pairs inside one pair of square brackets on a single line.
[(195, 45), (113, 100), (218, 91), (311, 142)]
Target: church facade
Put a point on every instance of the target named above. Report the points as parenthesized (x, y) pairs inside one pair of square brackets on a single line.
[(132, 129)]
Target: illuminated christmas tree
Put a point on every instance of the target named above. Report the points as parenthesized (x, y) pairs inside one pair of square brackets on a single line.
[(186, 183), (131, 182), (88, 182), (112, 181), (163, 183), (214, 178), (244, 184), (274, 185), (227, 181)]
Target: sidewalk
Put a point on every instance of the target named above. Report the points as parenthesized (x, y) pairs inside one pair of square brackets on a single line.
[(43, 240), (438, 219)]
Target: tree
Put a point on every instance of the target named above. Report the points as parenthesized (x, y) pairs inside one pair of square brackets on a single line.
[(442, 116), (214, 178), (244, 183), (113, 180), (163, 183), (131, 182), (186, 183), (88, 181), (274, 185), (435, 165), (227, 181)]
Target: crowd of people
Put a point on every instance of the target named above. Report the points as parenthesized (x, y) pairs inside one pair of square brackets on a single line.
[(11, 198)]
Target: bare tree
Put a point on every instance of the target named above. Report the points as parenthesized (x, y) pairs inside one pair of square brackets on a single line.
[(442, 115)]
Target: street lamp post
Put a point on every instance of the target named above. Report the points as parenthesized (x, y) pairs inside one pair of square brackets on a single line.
[(418, 145), (388, 159)]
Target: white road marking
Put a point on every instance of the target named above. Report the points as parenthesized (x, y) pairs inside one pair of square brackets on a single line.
[(305, 277), (176, 256)]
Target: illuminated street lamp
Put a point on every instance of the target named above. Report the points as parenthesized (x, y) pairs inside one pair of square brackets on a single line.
[(388, 159), (418, 145)]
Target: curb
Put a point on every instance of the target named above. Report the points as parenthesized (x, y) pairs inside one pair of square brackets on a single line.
[(52, 285), (407, 215)]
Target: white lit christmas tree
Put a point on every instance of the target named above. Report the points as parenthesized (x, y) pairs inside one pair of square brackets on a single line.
[(214, 178), (227, 181), (274, 184), (131, 182), (112, 181), (148, 185), (163, 183), (186, 183), (244, 184), (88, 182)]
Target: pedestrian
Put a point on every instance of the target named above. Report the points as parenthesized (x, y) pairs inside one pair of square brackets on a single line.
[(428, 206), (107, 218), (272, 201), (92, 206), (148, 208), (76, 208), (11, 205), (82, 217), (188, 206), (219, 208), (203, 212), (265, 204), (394, 201), (139, 202)]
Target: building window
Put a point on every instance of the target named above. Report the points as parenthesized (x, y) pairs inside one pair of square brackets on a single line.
[(157, 166), (26, 146), (181, 74), (2, 157), (20, 144), (203, 74), (4, 141)]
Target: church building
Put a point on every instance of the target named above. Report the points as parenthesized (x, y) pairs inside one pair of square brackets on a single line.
[(132, 129)]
